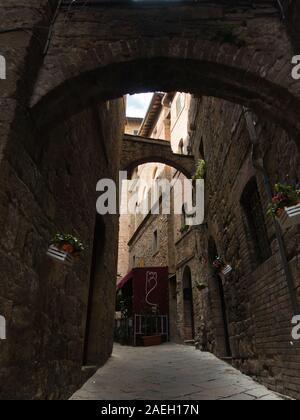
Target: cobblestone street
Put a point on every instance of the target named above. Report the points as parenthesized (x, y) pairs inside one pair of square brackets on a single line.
[(169, 372)]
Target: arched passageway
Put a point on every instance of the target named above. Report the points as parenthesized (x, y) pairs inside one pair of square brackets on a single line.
[(92, 58), (228, 54), (138, 151)]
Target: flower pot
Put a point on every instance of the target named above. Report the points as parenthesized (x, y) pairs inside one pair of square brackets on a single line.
[(59, 255), (289, 217), (69, 249), (226, 270), (154, 340)]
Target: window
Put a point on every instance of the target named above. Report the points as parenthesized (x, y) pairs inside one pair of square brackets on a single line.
[(201, 150), (155, 242), (181, 147), (256, 222), (178, 105)]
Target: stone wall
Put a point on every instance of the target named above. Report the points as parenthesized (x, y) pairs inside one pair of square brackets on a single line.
[(48, 185), (236, 51), (257, 301), (141, 244)]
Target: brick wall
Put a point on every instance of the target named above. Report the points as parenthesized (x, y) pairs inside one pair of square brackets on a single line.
[(258, 308)]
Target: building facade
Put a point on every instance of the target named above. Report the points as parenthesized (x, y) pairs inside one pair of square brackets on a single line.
[(244, 317), (153, 239)]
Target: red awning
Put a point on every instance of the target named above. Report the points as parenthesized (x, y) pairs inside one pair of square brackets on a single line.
[(149, 289), (125, 280)]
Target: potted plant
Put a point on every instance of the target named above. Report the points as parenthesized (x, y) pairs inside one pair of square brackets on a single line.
[(65, 248), (221, 266), (200, 170), (285, 205), (152, 340)]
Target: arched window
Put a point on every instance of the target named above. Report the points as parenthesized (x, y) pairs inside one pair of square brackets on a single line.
[(255, 222), (219, 315), (201, 150), (181, 147)]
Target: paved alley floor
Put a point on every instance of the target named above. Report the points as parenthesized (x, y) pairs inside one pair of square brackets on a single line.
[(169, 372)]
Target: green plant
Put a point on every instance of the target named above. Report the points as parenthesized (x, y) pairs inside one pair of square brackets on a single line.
[(200, 169), (284, 196), (125, 306), (62, 239), (184, 229)]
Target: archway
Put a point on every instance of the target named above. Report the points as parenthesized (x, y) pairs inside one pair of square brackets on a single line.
[(188, 306), (113, 60), (226, 55), (138, 151), (167, 75)]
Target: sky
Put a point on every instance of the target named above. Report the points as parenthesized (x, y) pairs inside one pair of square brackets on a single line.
[(137, 105)]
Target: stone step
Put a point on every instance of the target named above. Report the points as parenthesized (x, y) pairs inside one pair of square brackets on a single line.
[(189, 342)]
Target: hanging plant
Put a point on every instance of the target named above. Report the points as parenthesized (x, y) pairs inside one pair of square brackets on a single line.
[(67, 243), (221, 266), (285, 205), (65, 248), (200, 170)]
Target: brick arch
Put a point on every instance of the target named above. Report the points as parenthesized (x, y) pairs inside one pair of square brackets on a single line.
[(161, 74), (215, 51), (138, 151)]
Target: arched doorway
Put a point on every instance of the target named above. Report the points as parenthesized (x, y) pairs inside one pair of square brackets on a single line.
[(219, 308), (173, 314), (91, 354), (188, 306)]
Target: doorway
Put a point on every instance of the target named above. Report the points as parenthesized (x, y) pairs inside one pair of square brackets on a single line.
[(90, 342), (219, 307), (188, 306)]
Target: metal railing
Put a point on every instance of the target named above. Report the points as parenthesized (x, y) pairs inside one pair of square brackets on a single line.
[(150, 325)]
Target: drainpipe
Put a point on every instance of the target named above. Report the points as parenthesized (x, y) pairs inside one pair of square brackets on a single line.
[(50, 32), (258, 163), (282, 10)]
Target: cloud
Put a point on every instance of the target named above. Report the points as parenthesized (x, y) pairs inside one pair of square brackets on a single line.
[(137, 105)]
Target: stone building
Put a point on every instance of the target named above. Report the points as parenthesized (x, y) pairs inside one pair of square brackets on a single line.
[(61, 130), (228, 315), (246, 316), (154, 240), (132, 127)]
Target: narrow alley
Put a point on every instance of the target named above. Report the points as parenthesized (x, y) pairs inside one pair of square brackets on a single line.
[(169, 372), (150, 200)]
